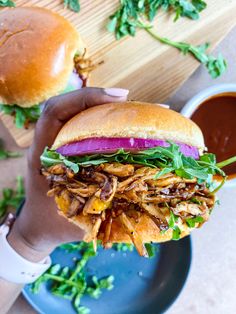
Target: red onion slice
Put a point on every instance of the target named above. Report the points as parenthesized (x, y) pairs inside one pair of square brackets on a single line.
[(103, 145)]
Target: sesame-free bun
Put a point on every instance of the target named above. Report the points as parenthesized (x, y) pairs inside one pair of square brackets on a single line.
[(130, 119), (37, 49)]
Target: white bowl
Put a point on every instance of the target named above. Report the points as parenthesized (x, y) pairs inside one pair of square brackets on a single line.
[(198, 99)]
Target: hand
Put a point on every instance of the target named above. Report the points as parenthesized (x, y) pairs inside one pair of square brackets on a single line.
[(39, 228)]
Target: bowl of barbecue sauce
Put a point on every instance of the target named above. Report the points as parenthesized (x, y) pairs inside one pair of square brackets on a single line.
[(214, 111)]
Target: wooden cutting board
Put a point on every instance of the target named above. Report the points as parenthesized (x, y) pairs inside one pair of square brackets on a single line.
[(150, 70)]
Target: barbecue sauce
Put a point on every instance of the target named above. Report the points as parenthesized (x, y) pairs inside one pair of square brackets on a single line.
[(216, 117)]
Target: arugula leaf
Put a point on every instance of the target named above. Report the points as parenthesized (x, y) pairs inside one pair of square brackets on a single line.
[(83, 310), (227, 162), (95, 291), (72, 283), (7, 3), (172, 225), (176, 233), (12, 198), (215, 66), (151, 249), (73, 5), (22, 115), (173, 219), (192, 221), (195, 201), (132, 15), (4, 154), (123, 247), (165, 159)]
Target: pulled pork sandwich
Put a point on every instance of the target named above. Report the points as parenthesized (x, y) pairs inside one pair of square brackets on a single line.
[(132, 172), (41, 55)]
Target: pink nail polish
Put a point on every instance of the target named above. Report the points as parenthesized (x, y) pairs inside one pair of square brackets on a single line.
[(116, 92)]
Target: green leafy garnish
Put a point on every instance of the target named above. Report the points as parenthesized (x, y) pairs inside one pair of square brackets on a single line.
[(192, 221), (151, 249), (215, 66), (7, 3), (226, 162), (172, 225), (4, 154), (176, 233), (11, 199), (173, 220), (21, 115), (123, 247), (137, 14), (73, 5), (167, 159), (73, 283), (195, 201)]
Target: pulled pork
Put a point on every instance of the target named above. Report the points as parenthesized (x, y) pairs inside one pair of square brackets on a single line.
[(123, 191)]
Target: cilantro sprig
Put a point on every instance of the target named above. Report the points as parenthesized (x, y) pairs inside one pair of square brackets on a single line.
[(137, 14), (73, 5), (4, 154), (167, 159), (21, 115), (11, 199), (7, 3)]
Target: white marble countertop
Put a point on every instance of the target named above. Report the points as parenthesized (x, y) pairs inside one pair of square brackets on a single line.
[(211, 285)]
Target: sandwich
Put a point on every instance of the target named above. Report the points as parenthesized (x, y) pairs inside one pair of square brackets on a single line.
[(132, 172), (41, 55)]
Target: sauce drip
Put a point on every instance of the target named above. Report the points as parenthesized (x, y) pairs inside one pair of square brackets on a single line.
[(216, 117)]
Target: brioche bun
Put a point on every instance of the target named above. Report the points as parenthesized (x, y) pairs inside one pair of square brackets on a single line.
[(145, 227), (36, 55), (130, 119)]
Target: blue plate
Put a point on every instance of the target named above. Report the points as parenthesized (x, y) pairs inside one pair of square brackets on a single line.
[(141, 285)]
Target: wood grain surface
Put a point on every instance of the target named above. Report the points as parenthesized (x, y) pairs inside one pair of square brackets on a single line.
[(150, 70)]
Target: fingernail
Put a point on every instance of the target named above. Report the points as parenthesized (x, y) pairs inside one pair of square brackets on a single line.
[(164, 106), (116, 92)]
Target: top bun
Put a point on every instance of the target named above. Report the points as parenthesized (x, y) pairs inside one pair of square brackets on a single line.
[(37, 49), (130, 119)]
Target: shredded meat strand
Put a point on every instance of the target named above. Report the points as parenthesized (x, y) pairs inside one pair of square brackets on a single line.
[(124, 192)]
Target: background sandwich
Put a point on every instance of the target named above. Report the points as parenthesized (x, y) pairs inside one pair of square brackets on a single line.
[(41, 55), (132, 172)]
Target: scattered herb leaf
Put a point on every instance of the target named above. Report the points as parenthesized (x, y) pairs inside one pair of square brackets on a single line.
[(21, 115), (137, 14), (7, 3), (176, 233), (123, 247), (192, 221), (4, 154), (73, 5), (73, 283), (11, 199), (151, 249)]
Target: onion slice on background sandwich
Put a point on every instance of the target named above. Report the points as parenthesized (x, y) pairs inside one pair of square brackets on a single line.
[(132, 172), (41, 55)]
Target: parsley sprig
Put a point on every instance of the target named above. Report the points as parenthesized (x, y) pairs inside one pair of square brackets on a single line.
[(4, 154), (11, 199), (137, 14), (21, 115), (7, 3), (168, 159), (73, 5)]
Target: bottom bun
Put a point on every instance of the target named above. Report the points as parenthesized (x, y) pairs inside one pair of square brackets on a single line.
[(146, 228)]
